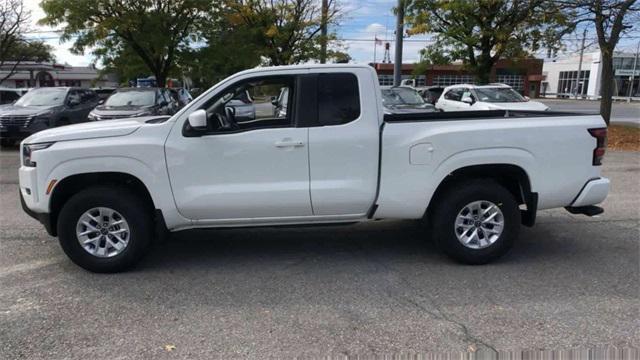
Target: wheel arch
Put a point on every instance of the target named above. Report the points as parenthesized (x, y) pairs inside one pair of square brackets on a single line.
[(70, 185), (513, 177)]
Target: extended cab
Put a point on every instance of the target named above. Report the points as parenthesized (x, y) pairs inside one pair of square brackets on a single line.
[(106, 189)]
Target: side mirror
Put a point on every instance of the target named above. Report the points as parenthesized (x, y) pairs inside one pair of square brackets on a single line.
[(101, 101), (73, 102), (163, 103), (198, 119), (467, 100), (274, 101)]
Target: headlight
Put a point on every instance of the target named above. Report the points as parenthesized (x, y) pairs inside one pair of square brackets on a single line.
[(28, 149)]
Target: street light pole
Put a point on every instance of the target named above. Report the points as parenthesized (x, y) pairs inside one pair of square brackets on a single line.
[(323, 31), (584, 36), (633, 74), (397, 65)]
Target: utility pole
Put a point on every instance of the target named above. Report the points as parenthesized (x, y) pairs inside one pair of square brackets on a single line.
[(584, 37), (397, 65), (375, 46), (633, 74), (323, 31)]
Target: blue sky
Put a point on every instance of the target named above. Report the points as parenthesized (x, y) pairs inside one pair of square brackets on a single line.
[(362, 20)]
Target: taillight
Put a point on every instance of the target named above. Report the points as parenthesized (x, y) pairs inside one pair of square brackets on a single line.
[(601, 144)]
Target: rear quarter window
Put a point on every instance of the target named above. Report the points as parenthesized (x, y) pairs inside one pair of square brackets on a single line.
[(338, 98)]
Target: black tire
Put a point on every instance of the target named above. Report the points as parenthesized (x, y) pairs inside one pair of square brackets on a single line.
[(125, 202), (454, 200)]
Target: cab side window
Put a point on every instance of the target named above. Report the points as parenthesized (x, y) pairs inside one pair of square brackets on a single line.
[(257, 103), (338, 98)]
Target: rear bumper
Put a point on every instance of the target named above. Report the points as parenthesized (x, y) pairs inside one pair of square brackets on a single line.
[(43, 218), (593, 192)]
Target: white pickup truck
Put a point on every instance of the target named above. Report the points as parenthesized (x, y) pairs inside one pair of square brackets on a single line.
[(108, 188)]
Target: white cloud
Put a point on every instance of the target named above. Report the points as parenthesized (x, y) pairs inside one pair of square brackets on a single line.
[(375, 28)]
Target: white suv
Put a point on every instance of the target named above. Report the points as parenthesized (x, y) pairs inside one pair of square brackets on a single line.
[(465, 97)]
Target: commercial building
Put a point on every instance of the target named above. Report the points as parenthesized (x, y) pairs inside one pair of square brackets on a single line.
[(525, 76), (562, 78), (31, 74)]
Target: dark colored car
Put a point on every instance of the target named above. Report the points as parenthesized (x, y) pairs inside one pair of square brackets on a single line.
[(133, 102), (105, 92), (403, 100), (431, 94), (45, 108)]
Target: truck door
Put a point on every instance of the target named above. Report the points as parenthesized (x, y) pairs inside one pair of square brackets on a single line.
[(238, 170), (344, 144)]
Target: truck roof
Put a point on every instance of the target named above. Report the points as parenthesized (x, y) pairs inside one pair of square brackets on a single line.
[(305, 66)]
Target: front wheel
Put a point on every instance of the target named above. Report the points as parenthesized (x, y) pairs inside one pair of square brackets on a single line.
[(476, 222), (105, 229)]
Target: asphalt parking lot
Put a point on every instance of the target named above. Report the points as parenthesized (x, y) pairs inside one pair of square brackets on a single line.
[(380, 288)]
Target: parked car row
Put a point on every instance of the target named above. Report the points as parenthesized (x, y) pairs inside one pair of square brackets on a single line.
[(469, 97), (466, 97), (48, 107)]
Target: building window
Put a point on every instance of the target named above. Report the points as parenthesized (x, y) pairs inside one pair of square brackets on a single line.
[(387, 80), (450, 79), (515, 81), (570, 84)]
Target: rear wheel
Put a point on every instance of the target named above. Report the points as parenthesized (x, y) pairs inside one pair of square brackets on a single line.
[(476, 222), (105, 229)]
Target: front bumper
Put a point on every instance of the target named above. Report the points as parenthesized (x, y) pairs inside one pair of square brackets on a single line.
[(15, 132), (593, 192), (43, 218)]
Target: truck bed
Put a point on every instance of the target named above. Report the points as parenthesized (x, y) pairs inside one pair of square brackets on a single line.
[(477, 115), (554, 149)]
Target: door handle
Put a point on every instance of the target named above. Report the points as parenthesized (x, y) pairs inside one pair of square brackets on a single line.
[(288, 143)]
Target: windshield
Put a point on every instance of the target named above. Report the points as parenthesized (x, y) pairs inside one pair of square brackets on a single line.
[(132, 98), (498, 95), (43, 97), (401, 96)]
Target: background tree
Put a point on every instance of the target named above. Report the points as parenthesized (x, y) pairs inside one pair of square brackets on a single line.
[(480, 32), (611, 18), (155, 30), (226, 49), (14, 47), (285, 31)]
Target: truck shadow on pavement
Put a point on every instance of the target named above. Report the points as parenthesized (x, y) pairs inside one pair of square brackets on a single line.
[(394, 241)]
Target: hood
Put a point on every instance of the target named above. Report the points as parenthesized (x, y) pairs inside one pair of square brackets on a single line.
[(25, 110), (90, 130), (527, 105)]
